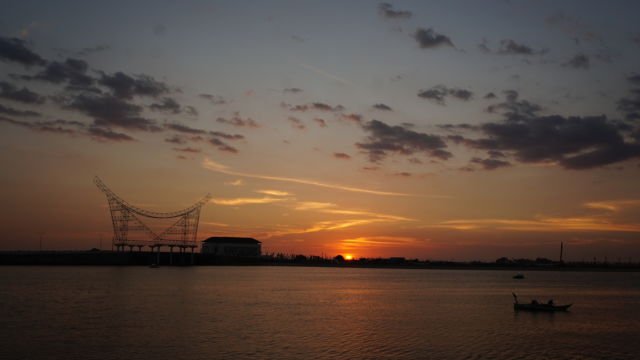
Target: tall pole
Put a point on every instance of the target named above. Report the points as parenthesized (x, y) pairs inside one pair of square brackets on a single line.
[(561, 250)]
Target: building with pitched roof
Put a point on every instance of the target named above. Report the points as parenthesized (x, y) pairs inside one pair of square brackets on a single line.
[(231, 246)]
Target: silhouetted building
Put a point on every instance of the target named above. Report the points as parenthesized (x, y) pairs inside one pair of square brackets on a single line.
[(231, 246)]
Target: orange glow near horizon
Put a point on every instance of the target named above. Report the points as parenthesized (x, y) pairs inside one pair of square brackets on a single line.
[(350, 155)]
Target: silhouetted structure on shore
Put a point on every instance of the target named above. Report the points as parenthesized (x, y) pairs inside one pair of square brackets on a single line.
[(232, 246), (130, 232), (114, 258)]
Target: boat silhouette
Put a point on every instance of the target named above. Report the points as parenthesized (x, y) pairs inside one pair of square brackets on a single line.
[(534, 305)]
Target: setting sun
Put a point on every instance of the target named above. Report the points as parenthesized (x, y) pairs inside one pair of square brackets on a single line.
[(348, 257)]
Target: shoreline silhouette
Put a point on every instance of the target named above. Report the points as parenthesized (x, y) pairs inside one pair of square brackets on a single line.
[(112, 258)]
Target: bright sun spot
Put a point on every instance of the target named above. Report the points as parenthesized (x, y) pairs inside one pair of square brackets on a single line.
[(348, 257)]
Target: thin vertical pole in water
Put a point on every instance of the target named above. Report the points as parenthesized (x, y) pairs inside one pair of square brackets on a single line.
[(561, 250)]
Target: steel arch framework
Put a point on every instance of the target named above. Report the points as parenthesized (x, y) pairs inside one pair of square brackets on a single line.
[(129, 229)]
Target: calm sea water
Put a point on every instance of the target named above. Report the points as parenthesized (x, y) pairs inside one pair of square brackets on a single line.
[(312, 313)]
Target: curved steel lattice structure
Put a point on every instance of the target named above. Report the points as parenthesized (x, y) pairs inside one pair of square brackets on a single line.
[(129, 230)]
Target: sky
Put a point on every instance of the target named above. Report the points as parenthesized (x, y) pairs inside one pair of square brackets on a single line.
[(442, 130)]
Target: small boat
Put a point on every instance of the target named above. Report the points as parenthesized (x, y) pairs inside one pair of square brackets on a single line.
[(153, 266), (541, 307), (518, 276), (536, 306)]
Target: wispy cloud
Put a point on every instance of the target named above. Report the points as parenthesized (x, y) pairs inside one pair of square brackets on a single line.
[(386, 10), (325, 225), (354, 218), (378, 242), (237, 182), (246, 201), (312, 205), (331, 208), (274, 192), (215, 224), (542, 224), (214, 166), (349, 218), (366, 213), (613, 205), (319, 71), (339, 224)]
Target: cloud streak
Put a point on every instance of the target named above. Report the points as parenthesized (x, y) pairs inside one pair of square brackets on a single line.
[(313, 205), (613, 205), (326, 74), (246, 201), (330, 208), (213, 166), (378, 242), (542, 224), (273, 192)]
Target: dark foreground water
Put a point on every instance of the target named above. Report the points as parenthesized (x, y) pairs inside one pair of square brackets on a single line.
[(312, 313)]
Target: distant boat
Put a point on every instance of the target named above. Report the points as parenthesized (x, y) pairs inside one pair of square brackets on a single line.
[(153, 266), (536, 306), (541, 307), (518, 276)]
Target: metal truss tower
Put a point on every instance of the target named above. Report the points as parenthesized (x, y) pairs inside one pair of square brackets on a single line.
[(130, 231)]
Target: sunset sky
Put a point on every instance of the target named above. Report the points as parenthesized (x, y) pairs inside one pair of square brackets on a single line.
[(431, 129)]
